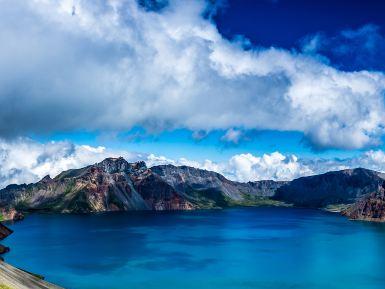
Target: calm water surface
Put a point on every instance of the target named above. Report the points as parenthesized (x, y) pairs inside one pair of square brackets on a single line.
[(275, 248)]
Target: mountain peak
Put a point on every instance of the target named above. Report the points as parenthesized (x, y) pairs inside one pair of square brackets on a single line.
[(46, 179), (118, 165)]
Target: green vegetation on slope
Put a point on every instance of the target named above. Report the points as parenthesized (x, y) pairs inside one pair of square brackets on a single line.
[(255, 201), (213, 199), (207, 199)]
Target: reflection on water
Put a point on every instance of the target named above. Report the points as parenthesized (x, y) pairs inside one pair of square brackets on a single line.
[(235, 248)]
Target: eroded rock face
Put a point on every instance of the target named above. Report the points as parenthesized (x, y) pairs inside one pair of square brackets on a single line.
[(369, 208), (187, 180)]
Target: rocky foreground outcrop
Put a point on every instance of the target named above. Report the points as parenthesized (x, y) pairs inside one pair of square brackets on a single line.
[(10, 214), (116, 185)]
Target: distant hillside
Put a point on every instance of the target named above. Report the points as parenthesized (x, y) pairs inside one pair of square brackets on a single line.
[(332, 188)]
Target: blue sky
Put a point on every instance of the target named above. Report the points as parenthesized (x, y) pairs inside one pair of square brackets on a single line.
[(285, 24), (234, 86), (181, 143)]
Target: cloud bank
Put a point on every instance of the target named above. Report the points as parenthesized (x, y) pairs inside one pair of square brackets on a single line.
[(112, 65), (25, 161)]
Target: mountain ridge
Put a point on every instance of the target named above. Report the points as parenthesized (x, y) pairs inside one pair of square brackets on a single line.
[(114, 184), (117, 185)]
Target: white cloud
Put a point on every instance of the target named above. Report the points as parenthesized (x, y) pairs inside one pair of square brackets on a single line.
[(25, 161), (247, 167), (114, 65), (372, 159), (276, 166)]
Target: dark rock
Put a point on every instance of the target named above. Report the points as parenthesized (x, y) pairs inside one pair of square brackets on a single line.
[(4, 231), (3, 249), (46, 179)]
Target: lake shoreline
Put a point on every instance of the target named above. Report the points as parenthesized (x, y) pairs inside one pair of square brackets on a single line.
[(16, 278)]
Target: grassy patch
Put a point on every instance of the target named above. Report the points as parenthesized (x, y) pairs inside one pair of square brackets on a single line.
[(256, 201), (207, 199), (2, 286), (337, 208), (211, 199)]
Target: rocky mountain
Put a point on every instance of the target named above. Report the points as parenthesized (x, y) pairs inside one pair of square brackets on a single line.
[(114, 184), (332, 188), (201, 184)]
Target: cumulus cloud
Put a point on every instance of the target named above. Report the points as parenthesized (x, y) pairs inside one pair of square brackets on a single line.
[(276, 166), (25, 161), (247, 167), (112, 65)]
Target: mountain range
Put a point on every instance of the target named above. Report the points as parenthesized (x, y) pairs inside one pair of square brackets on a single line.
[(116, 185)]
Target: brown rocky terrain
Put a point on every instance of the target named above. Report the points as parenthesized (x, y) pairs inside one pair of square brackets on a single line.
[(369, 208)]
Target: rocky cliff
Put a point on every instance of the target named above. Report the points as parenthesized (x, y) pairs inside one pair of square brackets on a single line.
[(114, 184)]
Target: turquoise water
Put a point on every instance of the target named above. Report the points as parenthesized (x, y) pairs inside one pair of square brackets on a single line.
[(236, 248)]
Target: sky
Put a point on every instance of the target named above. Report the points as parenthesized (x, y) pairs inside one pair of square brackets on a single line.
[(264, 89)]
